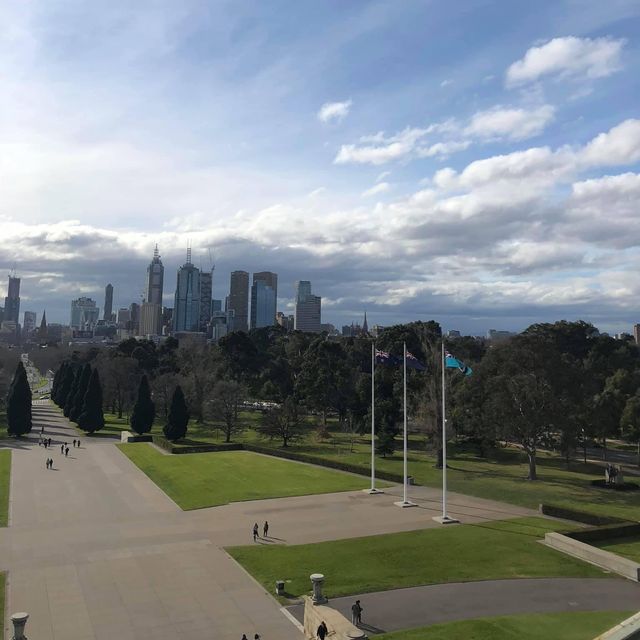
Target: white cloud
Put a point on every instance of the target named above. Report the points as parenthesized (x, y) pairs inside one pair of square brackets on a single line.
[(443, 149), (568, 56), (620, 145), (511, 123), (334, 111), (383, 175), (446, 83), (381, 149), (381, 187)]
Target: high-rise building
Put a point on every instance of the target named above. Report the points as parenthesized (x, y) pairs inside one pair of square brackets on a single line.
[(264, 292), (84, 314), (150, 319), (239, 300), (29, 322), (308, 308), (134, 317), (636, 333), (285, 321), (186, 308), (12, 301), (216, 305), (155, 279), (206, 283), (124, 316), (108, 303)]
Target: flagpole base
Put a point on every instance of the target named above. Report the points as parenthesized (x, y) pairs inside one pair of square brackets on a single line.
[(405, 504), (445, 520), (372, 492)]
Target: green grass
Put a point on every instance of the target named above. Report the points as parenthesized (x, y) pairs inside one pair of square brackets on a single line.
[(201, 480), (576, 625), (492, 550), (626, 547), (5, 476)]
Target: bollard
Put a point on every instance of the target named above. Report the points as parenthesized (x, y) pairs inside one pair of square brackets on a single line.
[(19, 621), (317, 580), (279, 587)]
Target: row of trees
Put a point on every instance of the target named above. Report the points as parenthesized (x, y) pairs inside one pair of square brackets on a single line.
[(555, 385)]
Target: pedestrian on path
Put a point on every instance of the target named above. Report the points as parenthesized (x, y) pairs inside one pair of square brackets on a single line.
[(78, 444), (322, 631), (255, 531), (356, 613), (49, 441), (265, 529), (256, 637), (66, 452), (74, 443), (62, 448), (244, 637)]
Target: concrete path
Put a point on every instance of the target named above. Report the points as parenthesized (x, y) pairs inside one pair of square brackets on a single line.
[(433, 604), (95, 550)]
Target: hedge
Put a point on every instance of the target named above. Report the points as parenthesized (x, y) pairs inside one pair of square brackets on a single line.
[(579, 516)]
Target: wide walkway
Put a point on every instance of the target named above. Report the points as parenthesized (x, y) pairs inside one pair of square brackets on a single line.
[(422, 606), (96, 551)]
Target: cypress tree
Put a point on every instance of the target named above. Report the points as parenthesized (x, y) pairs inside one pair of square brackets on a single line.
[(91, 418), (57, 380), (78, 398), (144, 410), (73, 389), (176, 427), (65, 387), (19, 404)]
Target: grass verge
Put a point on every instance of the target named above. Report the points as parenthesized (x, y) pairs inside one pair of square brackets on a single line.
[(583, 625), (487, 551), (5, 479), (626, 547), (209, 479)]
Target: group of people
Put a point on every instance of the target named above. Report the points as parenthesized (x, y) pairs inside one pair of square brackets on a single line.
[(255, 637), (611, 473), (265, 530), (64, 447)]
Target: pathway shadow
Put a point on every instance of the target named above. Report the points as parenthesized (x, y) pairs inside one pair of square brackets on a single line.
[(370, 628)]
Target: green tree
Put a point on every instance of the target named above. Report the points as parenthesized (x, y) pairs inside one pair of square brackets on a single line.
[(284, 421), (144, 411), (176, 427), (66, 384), (78, 398), (630, 421), (226, 397), (73, 390), (19, 404), (91, 418)]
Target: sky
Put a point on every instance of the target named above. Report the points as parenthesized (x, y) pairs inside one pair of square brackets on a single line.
[(473, 162)]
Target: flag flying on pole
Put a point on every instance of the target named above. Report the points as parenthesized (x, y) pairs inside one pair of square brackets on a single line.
[(453, 363), (414, 363), (384, 357)]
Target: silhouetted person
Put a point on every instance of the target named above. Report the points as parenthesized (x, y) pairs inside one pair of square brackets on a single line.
[(255, 531), (49, 441), (62, 448), (265, 529), (74, 443), (78, 443), (322, 631), (66, 452)]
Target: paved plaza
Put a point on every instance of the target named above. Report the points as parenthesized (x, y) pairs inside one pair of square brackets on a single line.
[(95, 550)]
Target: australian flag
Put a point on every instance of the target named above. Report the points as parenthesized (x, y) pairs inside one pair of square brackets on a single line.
[(384, 357), (414, 363), (453, 363)]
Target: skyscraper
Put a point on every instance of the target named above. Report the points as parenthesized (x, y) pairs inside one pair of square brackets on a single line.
[(308, 308), (186, 308), (155, 279), (84, 313), (206, 283), (108, 303), (29, 322), (264, 299), (12, 301), (150, 319), (239, 299)]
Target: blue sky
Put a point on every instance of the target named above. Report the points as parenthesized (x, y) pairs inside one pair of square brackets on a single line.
[(472, 162)]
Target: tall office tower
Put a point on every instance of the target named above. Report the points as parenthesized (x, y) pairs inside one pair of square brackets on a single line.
[(636, 333), (263, 299), (308, 308), (84, 314), (186, 308), (108, 303), (150, 319), (155, 279), (216, 305), (12, 301), (134, 317), (239, 300), (124, 316), (206, 284), (29, 322)]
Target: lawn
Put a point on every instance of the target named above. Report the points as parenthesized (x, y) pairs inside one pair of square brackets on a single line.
[(201, 480), (577, 625), (492, 550), (5, 476), (627, 547)]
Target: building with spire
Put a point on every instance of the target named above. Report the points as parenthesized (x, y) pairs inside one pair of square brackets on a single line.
[(365, 326), (43, 331), (186, 308), (155, 279)]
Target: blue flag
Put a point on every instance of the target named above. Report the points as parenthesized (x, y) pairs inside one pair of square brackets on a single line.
[(453, 363), (414, 363), (384, 357)]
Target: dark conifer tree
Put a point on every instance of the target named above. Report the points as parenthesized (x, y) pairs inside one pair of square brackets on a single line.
[(144, 410), (176, 427), (19, 403), (91, 418), (65, 386), (78, 399), (73, 389), (55, 385)]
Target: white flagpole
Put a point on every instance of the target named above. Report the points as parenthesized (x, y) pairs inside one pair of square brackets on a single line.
[(405, 501), (373, 489), (444, 519)]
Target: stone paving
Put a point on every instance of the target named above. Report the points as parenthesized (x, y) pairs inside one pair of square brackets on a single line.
[(95, 550)]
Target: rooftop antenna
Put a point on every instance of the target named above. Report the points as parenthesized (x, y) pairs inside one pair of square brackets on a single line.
[(156, 254), (188, 253)]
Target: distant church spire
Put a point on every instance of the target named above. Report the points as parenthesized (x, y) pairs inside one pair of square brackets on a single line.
[(42, 332), (365, 326)]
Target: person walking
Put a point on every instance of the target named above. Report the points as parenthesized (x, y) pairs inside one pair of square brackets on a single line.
[(49, 441), (356, 613), (74, 443), (66, 452), (322, 631), (256, 636), (265, 529), (62, 448), (255, 531), (244, 637), (359, 612), (78, 444)]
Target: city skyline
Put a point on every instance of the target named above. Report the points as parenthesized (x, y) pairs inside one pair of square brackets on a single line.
[(484, 182)]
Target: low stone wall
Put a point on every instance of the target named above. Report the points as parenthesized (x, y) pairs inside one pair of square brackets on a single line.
[(608, 532), (628, 629), (339, 627), (578, 516), (127, 436), (593, 555)]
